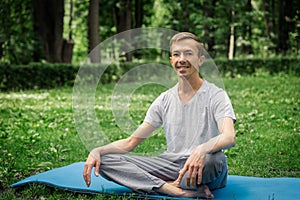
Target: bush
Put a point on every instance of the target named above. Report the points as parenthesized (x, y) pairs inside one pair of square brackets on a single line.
[(250, 66), (35, 76), (45, 75)]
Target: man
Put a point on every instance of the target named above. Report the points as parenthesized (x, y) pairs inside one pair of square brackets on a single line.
[(198, 121)]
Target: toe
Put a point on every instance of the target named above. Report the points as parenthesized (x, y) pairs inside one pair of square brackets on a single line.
[(207, 192)]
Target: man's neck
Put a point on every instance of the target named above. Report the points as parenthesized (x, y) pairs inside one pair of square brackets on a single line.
[(189, 86)]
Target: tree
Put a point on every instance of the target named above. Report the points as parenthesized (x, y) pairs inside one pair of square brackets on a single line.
[(287, 10), (93, 31), (269, 16), (17, 39), (231, 45), (282, 38), (68, 44), (247, 29), (138, 13), (32, 30), (48, 23), (209, 26), (123, 13)]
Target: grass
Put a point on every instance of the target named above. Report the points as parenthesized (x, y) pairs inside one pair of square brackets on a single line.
[(38, 133)]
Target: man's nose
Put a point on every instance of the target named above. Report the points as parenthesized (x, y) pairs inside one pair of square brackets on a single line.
[(182, 58)]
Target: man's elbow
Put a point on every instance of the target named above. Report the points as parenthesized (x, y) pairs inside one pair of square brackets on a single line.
[(132, 143), (232, 141)]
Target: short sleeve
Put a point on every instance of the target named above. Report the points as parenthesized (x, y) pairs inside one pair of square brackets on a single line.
[(154, 113), (222, 106)]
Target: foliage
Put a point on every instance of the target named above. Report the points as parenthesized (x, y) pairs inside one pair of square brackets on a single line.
[(36, 75), (258, 26), (275, 65), (37, 131), (17, 39), (46, 75)]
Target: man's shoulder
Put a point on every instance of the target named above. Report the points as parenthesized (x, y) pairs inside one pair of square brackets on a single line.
[(212, 88), (169, 92)]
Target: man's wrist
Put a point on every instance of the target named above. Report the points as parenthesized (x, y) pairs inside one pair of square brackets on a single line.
[(202, 149), (96, 152)]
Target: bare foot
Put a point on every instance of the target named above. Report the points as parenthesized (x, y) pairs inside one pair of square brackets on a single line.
[(205, 191), (174, 183), (172, 188), (202, 192)]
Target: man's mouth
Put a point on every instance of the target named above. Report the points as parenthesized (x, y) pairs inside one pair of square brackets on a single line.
[(182, 67)]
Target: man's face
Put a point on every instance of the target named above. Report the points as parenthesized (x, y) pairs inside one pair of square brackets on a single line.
[(184, 58)]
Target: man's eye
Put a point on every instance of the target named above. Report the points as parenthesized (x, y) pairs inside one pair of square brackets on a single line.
[(175, 54)]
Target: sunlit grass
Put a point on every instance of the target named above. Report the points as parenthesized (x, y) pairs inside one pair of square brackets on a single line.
[(268, 126), (38, 132)]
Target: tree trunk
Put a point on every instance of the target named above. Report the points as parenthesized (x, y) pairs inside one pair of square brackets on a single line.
[(123, 14), (67, 52), (93, 31), (185, 16), (68, 44), (273, 16), (247, 30), (209, 29), (138, 14), (231, 39), (283, 37), (48, 19), (267, 18), (231, 50)]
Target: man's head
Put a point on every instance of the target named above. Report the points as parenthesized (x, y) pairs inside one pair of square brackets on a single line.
[(184, 36), (186, 54)]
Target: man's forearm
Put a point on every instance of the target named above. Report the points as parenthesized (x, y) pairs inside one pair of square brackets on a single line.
[(126, 145), (222, 141), (118, 147)]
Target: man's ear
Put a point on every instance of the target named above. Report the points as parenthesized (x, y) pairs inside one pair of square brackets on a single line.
[(201, 60)]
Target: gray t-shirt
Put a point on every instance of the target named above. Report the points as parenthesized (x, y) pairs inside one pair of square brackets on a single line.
[(187, 125)]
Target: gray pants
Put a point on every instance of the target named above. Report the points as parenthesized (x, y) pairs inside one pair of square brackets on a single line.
[(147, 174)]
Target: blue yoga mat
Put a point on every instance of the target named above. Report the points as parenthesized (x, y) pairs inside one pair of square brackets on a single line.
[(238, 187)]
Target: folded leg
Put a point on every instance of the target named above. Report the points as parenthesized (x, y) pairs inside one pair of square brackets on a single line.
[(141, 174), (214, 173)]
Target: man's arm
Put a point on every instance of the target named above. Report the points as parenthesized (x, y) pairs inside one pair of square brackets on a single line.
[(225, 140), (118, 147), (194, 164)]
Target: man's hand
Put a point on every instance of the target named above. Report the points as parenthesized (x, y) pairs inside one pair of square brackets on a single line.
[(193, 167), (118, 147), (93, 160)]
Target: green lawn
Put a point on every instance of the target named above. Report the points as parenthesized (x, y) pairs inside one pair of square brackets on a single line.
[(37, 131)]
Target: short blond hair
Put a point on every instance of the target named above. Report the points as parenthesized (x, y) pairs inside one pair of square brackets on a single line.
[(187, 35)]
